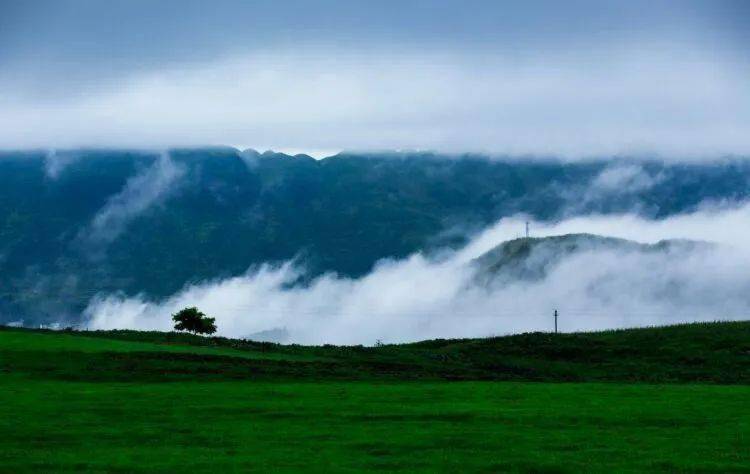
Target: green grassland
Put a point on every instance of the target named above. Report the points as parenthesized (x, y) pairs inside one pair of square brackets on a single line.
[(674, 399)]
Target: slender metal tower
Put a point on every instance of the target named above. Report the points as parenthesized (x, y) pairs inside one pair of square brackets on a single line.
[(527, 229), (555, 321)]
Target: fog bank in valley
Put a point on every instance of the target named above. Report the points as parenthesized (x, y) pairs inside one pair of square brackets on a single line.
[(437, 296)]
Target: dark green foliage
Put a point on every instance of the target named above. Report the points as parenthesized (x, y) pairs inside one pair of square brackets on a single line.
[(192, 320)]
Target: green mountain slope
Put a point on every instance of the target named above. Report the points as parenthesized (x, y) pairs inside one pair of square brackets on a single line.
[(81, 222)]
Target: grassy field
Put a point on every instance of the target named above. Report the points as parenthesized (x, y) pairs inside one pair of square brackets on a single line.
[(129, 401)]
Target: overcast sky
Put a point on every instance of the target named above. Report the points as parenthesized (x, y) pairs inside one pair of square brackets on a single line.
[(575, 78)]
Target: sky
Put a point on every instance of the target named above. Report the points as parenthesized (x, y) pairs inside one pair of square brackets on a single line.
[(572, 79)]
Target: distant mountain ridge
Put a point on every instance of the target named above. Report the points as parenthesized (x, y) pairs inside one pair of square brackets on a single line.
[(77, 223)]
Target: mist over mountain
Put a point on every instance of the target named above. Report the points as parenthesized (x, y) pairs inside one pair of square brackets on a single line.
[(76, 224)]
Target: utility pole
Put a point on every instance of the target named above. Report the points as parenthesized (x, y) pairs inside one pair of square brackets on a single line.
[(555, 321), (527, 229)]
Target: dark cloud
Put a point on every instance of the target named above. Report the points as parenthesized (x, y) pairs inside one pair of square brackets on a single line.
[(80, 42), (579, 77)]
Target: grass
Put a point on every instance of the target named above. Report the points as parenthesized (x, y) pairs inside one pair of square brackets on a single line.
[(55, 342), (704, 353), (135, 402)]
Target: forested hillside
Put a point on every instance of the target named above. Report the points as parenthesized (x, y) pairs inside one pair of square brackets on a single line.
[(78, 222)]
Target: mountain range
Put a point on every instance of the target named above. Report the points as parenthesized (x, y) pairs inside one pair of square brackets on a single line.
[(76, 223)]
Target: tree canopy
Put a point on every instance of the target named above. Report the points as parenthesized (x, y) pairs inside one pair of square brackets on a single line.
[(193, 320)]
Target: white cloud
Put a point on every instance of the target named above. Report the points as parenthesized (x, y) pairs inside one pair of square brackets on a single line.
[(140, 192), (55, 163), (624, 178), (641, 99), (418, 298)]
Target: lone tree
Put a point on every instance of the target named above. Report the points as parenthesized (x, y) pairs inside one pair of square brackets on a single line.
[(192, 320)]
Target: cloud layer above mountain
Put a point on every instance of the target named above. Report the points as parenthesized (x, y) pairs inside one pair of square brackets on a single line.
[(581, 79)]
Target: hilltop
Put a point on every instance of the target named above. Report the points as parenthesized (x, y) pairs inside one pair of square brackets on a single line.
[(530, 258)]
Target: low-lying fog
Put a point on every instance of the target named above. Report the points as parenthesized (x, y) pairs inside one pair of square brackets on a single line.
[(424, 297)]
